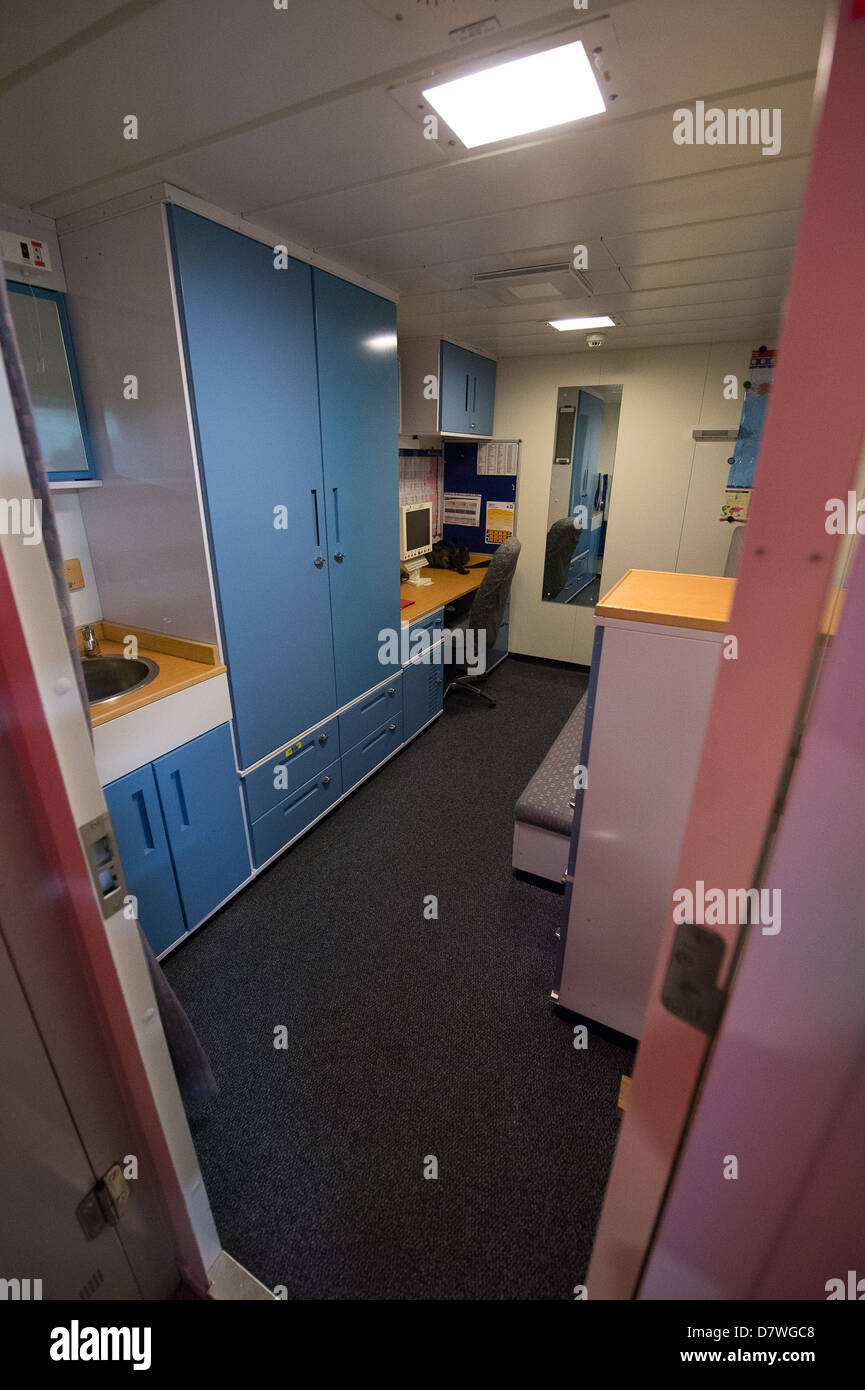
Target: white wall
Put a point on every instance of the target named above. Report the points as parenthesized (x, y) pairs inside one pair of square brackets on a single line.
[(86, 607), (667, 490)]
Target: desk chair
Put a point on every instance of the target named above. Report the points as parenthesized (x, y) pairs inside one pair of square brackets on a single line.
[(485, 614), (562, 539)]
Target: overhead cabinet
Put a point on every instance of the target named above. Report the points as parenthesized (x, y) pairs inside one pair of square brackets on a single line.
[(445, 389)]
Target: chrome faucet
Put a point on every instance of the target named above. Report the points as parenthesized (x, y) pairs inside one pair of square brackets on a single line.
[(91, 644)]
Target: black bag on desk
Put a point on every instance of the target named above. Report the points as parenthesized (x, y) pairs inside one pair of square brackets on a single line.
[(448, 555)]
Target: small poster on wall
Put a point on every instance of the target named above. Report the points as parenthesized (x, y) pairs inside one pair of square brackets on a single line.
[(499, 522), (736, 502), (462, 509), (500, 457)]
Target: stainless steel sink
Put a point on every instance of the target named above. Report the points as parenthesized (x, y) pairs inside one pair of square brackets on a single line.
[(108, 677)]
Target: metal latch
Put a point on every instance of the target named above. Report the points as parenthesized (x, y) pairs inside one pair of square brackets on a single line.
[(103, 861), (690, 990), (103, 1205)]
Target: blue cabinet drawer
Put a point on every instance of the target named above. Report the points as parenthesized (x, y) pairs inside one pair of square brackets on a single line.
[(421, 694), (273, 831), (294, 765), (365, 715), (432, 620), (371, 751)]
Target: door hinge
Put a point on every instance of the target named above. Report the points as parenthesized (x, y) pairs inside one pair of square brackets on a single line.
[(690, 989), (103, 1205)]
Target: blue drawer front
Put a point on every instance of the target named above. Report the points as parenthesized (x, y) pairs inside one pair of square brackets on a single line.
[(421, 693), (201, 805), (273, 831), (296, 764), (136, 816), (431, 620), (372, 750), (367, 714)]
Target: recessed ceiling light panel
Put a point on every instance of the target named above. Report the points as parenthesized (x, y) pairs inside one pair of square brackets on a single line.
[(567, 325), (535, 93)]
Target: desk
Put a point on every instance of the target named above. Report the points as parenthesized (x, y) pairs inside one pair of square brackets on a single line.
[(446, 586)]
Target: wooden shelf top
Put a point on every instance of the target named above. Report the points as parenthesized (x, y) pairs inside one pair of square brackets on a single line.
[(700, 601)]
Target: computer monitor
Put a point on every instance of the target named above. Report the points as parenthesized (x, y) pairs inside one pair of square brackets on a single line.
[(415, 530)]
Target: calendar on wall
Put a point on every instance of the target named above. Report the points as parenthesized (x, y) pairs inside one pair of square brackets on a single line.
[(420, 480), (499, 522)]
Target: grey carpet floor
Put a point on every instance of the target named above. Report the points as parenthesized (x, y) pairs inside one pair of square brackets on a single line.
[(408, 1037)]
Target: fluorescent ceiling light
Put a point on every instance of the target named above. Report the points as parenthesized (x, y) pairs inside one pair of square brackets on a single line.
[(565, 325), (546, 89)]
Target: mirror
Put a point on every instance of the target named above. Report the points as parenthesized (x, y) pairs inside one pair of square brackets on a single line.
[(45, 345), (587, 426)]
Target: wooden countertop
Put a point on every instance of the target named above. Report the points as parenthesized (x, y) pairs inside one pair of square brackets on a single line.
[(673, 600), (181, 663), (446, 586)]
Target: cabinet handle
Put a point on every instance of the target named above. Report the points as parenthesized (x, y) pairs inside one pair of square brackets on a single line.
[(339, 556), (318, 562), (138, 798), (315, 518), (181, 799), (325, 781), (391, 690), (322, 738), (392, 728), (467, 393), (474, 426), (474, 393)]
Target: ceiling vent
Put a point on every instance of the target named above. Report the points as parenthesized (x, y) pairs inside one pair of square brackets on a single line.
[(558, 275), (519, 272), (459, 20)]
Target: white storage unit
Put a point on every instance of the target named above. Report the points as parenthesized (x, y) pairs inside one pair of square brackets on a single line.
[(653, 673)]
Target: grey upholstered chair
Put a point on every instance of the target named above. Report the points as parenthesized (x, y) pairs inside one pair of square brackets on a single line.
[(486, 613), (562, 539)]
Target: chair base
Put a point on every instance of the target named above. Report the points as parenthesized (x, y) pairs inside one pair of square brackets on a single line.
[(464, 683)]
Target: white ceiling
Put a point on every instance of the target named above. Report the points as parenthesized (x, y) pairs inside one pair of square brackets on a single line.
[(305, 119)]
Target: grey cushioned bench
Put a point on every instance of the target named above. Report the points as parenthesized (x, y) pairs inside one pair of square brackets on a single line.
[(543, 815)]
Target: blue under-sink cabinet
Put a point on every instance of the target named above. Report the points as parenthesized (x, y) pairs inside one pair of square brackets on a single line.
[(136, 815), (180, 828)]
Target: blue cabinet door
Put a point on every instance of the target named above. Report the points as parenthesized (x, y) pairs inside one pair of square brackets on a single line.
[(483, 394), (456, 379), (357, 382), (250, 348), (133, 805), (200, 796), (467, 390)]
